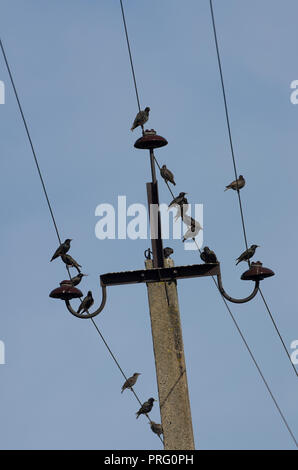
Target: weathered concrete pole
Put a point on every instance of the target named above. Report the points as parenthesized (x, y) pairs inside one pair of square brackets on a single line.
[(170, 363)]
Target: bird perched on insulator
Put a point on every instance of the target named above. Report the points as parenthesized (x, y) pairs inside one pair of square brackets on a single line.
[(72, 263), (156, 428), (208, 256), (167, 175), (141, 118), (167, 252), (87, 303), (247, 254), (62, 249), (146, 407), (237, 184), (74, 281), (129, 383)]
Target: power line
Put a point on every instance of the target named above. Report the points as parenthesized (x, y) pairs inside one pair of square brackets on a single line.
[(235, 171), (53, 217)]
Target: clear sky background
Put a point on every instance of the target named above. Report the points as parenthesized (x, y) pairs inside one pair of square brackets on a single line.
[(59, 388)]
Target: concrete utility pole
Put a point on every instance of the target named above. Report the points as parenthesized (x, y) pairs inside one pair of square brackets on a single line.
[(170, 363)]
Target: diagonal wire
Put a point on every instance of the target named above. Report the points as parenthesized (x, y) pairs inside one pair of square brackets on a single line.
[(235, 171), (52, 213)]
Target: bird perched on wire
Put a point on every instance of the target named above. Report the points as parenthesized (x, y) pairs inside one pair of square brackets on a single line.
[(208, 256), (179, 200), (194, 227), (62, 249), (129, 383), (87, 303), (167, 175), (167, 252), (247, 254), (72, 263), (156, 428), (146, 407), (237, 184), (141, 118)]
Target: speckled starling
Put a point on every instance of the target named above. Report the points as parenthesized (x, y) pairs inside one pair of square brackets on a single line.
[(156, 428), (130, 382), (141, 118), (167, 252), (194, 228), (247, 254), (179, 200), (146, 407), (208, 256), (72, 263), (240, 183), (87, 303), (167, 175), (63, 248)]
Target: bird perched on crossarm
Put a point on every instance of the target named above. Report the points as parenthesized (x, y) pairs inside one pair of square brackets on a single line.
[(146, 407), (208, 256), (87, 303), (156, 428), (237, 184), (247, 254), (167, 175), (129, 383), (141, 118), (72, 263), (62, 249)]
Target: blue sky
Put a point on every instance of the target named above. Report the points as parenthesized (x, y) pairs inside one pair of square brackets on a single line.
[(59, 387)]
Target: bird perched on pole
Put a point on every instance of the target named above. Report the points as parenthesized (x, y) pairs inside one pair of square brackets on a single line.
[(129, 383), (247, 254), (179, 200), (74, 281), (141, 118), (237, 184), (208, 256), (87, 303), (167, 175), (167, 252), (156, 428), (72, 263), (62, 249), (146, 407)]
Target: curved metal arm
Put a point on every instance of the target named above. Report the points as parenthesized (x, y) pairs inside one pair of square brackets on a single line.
[(231, 299), (89, 315)]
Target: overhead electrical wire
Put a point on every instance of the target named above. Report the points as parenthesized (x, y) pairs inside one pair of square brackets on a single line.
[(53, 217), (244, 231), (236, 175)]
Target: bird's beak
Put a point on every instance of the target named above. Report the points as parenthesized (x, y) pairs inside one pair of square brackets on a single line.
[(85, 274)]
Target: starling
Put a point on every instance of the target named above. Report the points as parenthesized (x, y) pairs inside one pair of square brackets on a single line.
[(237, 184), (141, 118), (130, 382), (193, 230), (63, 248), (247, 254), (69, 261), (156, 428), (167, 252), (77, 279), (87, 302), (146, 407), (167, 175), (208, 256), (181, 210), (179, 200)]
